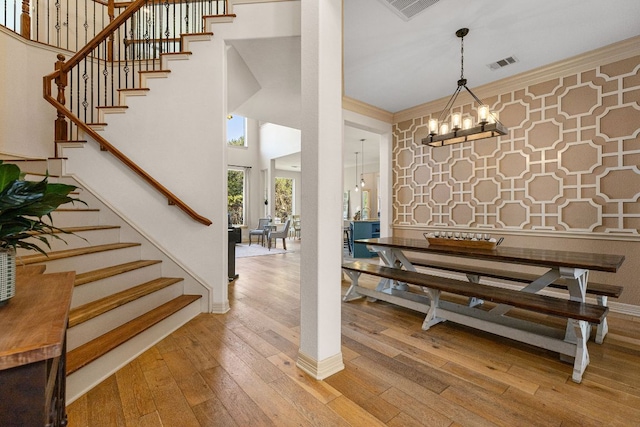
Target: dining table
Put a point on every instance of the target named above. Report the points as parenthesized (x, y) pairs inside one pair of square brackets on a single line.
[(573, 267)]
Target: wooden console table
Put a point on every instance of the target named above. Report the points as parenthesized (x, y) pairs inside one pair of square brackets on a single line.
[(32, 349)]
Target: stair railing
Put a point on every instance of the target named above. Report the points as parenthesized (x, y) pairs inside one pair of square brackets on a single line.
[(67, 24), (133, 41)]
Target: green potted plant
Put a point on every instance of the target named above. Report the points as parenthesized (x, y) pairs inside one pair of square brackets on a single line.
[(23, 207)]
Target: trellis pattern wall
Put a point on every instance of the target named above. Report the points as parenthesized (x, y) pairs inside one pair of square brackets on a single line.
[(569, 163)]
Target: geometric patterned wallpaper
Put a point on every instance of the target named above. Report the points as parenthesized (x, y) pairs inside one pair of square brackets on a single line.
[(570, 162)]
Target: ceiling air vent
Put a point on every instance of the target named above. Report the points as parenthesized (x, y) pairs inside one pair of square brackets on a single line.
[(407, 9), (502, 63)]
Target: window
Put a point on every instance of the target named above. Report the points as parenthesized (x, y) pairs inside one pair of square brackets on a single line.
[(236, 131), (284, 197), (235, 196)]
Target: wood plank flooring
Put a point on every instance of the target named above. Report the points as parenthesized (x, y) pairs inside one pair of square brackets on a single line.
[(238, 369)]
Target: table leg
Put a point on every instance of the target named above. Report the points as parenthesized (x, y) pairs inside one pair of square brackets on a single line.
[(533, 287), (395, 259), (351, 292)]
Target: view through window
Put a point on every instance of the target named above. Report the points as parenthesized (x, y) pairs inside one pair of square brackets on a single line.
[(235, 196), (284, 198), (236, 131)]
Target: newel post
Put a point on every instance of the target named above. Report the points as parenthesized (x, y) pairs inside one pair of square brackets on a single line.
[(111, 11), (25, 20), (61, 82)]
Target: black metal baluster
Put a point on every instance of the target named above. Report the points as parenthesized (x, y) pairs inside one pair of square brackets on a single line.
[(85, 77), (86, 22), (75, 48)]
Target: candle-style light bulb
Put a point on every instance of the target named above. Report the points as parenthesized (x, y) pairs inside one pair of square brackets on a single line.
[(467, 123), (483, 113), (493, 116), (456, 119), (433, 126), (444, 128)]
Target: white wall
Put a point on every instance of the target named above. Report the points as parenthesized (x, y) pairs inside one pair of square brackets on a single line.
[(26, 119), (277, 141)]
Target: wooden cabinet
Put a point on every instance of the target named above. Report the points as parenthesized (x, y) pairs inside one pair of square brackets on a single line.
[(32, 350), (364, 230)]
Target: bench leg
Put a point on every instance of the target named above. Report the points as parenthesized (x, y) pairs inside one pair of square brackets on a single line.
[(580, 331), (602, 328), (431, 317)]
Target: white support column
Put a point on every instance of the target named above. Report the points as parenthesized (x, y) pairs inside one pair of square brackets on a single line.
[(321, 252)]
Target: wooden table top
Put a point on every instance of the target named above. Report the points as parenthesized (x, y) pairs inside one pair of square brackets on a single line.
[(34, 320), (538, 257)]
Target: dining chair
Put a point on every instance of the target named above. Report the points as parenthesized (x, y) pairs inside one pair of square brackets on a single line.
[(259, 231), (282, 234)]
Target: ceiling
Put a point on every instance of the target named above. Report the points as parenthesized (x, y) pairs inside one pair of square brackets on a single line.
[(395, 64)]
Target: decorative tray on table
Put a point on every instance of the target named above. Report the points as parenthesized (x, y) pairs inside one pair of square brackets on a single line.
[(473, 243)]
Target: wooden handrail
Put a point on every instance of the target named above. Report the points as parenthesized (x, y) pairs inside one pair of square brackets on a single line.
[(104, 144), (60, 77)]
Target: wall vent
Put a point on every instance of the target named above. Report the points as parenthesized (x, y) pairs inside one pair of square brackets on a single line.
[(407, 9), (502, 63)]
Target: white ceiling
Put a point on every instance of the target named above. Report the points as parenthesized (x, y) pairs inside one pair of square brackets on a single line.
[(395, 64)]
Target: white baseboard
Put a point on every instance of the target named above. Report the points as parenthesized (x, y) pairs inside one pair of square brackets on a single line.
[(320, 369)]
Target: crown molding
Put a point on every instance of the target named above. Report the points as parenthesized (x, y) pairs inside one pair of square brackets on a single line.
[(605, 55), (367, 110)]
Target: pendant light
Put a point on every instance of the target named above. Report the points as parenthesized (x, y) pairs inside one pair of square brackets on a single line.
[(356, 174), (362, 183)]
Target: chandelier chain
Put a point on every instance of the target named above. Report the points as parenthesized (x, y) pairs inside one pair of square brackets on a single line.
[(462, 58)]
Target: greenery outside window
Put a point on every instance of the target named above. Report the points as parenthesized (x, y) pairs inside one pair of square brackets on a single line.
[(236, 131), (235, 195), (284, 198)]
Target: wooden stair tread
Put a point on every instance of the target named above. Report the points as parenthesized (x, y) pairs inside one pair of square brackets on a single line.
[(80, 229), (103, 273), (68, 253), (154, 71), (92, 350), (95, 308), (134, 89)]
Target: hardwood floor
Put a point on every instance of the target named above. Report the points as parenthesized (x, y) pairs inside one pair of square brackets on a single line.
[(238, 369)]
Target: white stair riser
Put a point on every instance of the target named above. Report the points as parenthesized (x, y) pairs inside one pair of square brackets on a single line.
[(101, 288), (35, 170), (75, 218), (95, 372), (81, 239), (91, 329), (94, 261)]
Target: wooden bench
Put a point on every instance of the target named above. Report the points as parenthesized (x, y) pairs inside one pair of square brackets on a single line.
[(572, 342), (601, 291)]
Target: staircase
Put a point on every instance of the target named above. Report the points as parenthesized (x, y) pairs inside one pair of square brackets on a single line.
[(127, 294)]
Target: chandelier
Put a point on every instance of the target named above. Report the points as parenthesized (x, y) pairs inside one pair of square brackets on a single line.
[(443, 132)]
